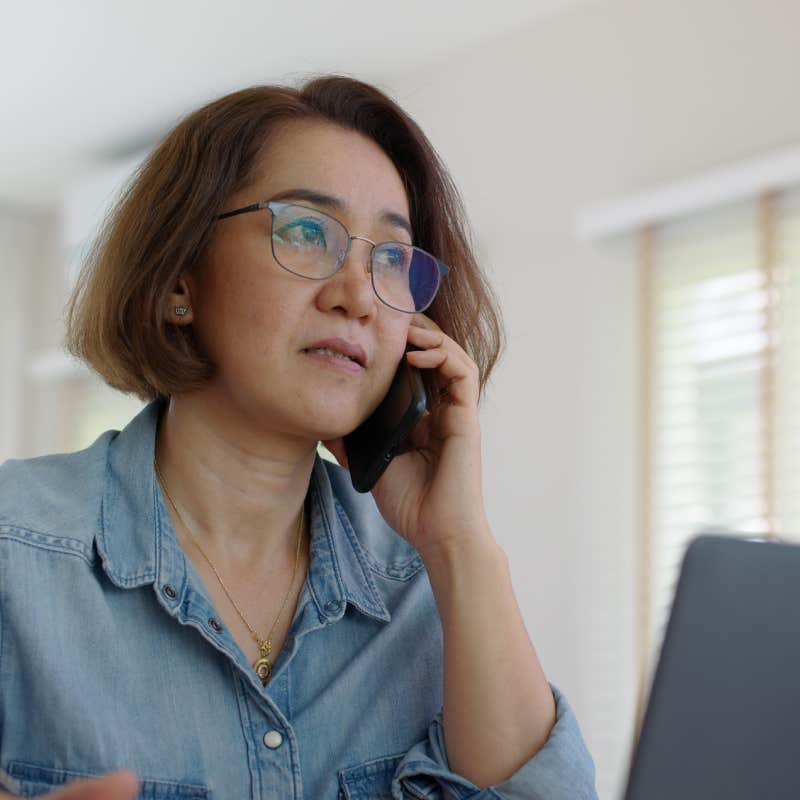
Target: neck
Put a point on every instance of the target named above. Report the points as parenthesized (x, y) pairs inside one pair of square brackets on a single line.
[(239, 494)]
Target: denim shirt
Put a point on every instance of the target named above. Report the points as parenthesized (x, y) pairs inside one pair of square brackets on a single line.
[(112, 656)]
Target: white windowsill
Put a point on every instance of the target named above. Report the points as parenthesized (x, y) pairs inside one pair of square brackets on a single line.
[(739, 181)]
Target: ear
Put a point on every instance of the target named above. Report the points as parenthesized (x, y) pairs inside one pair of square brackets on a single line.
[(179, 309)]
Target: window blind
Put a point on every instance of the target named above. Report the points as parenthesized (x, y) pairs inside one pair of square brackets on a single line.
[(787, 394), (723, 452)]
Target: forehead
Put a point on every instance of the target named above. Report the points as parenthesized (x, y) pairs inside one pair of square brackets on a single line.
[(333, 160)]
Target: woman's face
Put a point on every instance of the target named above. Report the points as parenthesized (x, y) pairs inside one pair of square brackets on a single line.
[(255, 320)]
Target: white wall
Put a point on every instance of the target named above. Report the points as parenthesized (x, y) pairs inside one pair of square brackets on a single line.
[(26, 314), (601, 102), (37, 413), (15, 253)]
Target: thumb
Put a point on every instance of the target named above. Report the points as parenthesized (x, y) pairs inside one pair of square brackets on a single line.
[(122, 785)]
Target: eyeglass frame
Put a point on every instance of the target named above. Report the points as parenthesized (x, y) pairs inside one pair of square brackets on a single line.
[(273, 204)]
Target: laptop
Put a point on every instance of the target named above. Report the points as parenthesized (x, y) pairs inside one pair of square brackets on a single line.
[(723, 713)]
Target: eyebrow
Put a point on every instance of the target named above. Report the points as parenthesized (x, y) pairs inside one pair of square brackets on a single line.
[(336, 204)]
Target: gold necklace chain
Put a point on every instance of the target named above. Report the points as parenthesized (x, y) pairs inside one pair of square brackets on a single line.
[(262, 666)]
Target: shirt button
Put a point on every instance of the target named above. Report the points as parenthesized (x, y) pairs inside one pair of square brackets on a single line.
[(215, 625), (273, 739), (169, 591), (333, 605)]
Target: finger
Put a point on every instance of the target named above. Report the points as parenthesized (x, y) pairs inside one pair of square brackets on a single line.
[(427, 327), (123, 785), (457, 374), (427, 338), (427, 359), (444, 393), (425, 322)]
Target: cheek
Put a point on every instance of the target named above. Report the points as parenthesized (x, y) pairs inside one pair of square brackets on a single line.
[(261, 319), (254, 311), (393, 330), (238, 320), (394, 336)]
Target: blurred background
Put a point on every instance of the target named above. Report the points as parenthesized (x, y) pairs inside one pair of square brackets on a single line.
[(631, 171)]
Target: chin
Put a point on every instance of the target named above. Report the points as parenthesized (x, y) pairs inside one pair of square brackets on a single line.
[(331, 414), (329, 426)]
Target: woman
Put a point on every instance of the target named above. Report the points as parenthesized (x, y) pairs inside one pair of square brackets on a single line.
[(200, 599)]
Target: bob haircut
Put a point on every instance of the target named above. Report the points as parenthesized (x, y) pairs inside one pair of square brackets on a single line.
[(163, 221)]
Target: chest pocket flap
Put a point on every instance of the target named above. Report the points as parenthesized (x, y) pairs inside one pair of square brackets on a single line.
[(371, 780)]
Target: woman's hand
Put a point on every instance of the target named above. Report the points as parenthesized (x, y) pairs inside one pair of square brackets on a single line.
[(114, 786), (432, 495)]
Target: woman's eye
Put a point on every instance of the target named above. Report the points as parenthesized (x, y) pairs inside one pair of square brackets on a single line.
[(302, 233), (394, 257)]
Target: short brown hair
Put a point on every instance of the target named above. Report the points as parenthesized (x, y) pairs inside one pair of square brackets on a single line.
[(163, 221)]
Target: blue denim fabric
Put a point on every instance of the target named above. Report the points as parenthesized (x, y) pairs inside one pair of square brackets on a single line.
[(110, 657)]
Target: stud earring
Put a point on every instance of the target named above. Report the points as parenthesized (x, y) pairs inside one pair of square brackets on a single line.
[(181, 310)]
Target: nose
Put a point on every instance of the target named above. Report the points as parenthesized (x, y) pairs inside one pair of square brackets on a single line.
[(350, 289)]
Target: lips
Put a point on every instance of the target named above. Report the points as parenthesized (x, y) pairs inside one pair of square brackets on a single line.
[(349, 349)]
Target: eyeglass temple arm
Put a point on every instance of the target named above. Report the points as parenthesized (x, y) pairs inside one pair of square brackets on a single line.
[(244, 210)]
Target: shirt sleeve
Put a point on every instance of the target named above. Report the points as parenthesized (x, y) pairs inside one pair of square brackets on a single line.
[(561, 770)]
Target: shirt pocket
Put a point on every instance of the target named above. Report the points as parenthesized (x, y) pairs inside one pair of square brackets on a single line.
[(371, 780), (34, 779)]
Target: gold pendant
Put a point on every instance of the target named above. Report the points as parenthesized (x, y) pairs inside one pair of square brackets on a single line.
[(263, 666)]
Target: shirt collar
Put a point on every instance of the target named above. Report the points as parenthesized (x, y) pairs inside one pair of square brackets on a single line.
[(138, 545)]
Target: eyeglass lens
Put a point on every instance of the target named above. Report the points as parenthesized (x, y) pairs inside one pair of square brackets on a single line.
[(313, 244)]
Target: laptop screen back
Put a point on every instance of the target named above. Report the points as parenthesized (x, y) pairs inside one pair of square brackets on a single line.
[(723, 716)]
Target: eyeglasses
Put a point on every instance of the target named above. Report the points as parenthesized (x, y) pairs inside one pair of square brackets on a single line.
[(313, 244)]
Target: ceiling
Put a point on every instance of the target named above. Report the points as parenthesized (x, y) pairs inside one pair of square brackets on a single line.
[(92, 80)]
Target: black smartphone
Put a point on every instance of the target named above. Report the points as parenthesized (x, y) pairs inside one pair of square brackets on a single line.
[(386, 432)]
